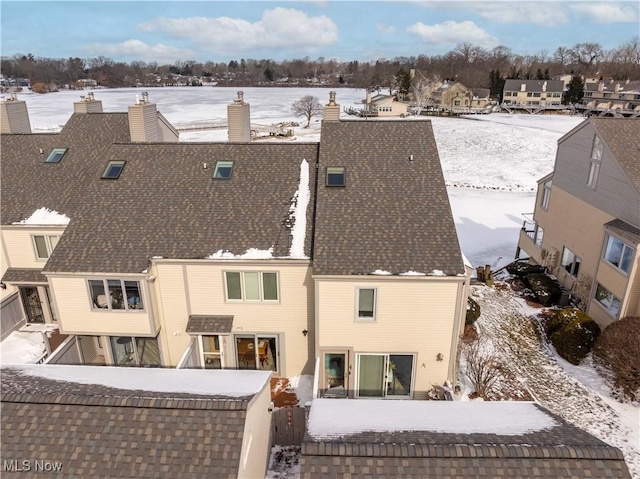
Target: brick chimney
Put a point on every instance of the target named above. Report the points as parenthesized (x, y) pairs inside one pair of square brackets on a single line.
[(239, 120), (332, 109), (14, 117), (143, 121), (87, 104)]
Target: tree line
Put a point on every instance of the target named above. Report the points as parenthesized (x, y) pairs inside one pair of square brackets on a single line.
[(472, 65)]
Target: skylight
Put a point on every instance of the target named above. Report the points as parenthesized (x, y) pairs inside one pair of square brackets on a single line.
[(56, 155), (223, 170), (113, 170), (335, 176)]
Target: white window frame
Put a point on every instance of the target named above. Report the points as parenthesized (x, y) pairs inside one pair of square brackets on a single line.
[(49, 245), (109, 304), (385, 394), (625, 247), (546, 195), (597, 148), (594, 171), (243, 294), (572, 260), (538, 235), (375, 306), (611, 298)]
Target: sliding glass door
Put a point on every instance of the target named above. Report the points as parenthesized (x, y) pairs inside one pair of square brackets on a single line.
[(384, 375), (257, 351)]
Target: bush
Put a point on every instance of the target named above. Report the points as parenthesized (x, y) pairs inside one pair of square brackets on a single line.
[(562, 318), (618, 351), (546, 289), (522, 269), (574, 340), (473, 312)]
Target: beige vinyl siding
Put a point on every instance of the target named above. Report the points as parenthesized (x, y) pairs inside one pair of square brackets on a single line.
[(89, 349), (612, 279), (19, 246), (14, 117), (257, 427), (412, 316), (143, 123), (197, 288), (632, 304), (577, 225), (76, 316)]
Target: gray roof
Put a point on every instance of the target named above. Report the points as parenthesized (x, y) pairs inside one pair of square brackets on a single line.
[(394, 212), (29, 184), (624, 230), (622, 137), (534, 85), (166, 204), (24, 275), (610, 86), (101, 432), (562, 451), (209, 324)]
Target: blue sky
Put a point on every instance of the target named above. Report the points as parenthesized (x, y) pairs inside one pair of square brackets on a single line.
[(220, 31)]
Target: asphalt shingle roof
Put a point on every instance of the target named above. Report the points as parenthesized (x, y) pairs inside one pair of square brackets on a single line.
[(394, 212), (209, 324), (564, 451), (622, 136), (101, 432), (534, 85)]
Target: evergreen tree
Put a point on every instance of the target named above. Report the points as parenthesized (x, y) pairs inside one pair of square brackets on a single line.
[(575, 90)]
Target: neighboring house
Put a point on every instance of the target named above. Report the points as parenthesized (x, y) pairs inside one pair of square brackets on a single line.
[(238, 254), (72, 422), (586, 223), (385, 105), (614, 95), (450, 440), (480, 98), (539, 93), (452, 96)]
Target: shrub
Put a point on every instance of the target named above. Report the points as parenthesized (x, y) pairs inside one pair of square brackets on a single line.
[(575, 339), (562, 318), (522, 269), (546, 289), (482, 368), (473, 312), (617, 350)]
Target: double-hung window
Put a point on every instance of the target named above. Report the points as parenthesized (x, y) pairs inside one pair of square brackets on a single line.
[(607, 300), (115, 294), (546, 194), (618, 254), (594, 166), (44, 245), (366, 298), (538, 235), (570, 262), (251, 286)]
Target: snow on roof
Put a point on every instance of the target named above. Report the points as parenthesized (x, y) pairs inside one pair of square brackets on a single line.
[(298, 213), (251, 253), (188, 381), (332, 418), (22, 347), (45, 216), (381, 272), (412, 273)]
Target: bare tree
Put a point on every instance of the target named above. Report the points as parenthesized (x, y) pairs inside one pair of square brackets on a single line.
[(307, 106), (482, 368)]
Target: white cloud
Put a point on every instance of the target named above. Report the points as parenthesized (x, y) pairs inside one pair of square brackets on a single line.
[(540, 12), (606, 12), (452, 33), (278, 28), (138, 50)]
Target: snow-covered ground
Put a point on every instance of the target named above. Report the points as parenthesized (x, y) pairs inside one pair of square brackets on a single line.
[(491, 164)]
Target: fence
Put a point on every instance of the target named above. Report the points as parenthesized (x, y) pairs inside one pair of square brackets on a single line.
[(288, 425)]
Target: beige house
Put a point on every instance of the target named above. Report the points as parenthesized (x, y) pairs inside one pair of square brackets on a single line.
[(620, 95), (194, 255), (533, 93), (384, 106), (452, 96), (586, 223)]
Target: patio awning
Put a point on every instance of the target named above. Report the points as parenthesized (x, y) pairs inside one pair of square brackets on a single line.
[(203, 324)]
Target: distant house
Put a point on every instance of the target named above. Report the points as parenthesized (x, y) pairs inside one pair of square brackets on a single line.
[(455, 440), (480, 98), (586, 223), (621, 95), (385, 106), (533, 92), (452, 95), (149, 423), (239, 254)]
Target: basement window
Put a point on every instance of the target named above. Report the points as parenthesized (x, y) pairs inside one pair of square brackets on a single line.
[(223, 170), (113, 170), (335, 176), (56, 155)]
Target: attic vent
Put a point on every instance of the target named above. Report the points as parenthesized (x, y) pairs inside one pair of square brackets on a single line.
[(56, 155), (223, 170), (113, 170)]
